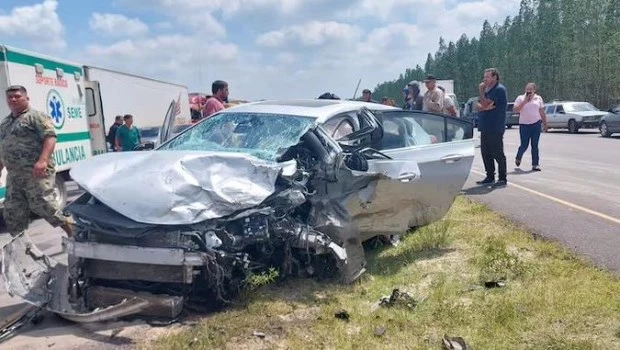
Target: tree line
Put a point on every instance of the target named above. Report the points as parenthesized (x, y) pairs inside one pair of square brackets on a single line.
[(569, 48)]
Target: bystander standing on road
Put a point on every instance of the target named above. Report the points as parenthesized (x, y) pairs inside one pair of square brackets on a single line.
[(27, 141), (216, 102), (532, 119), (387, 101), (414, 101), (128, 135), (118, 121), (433, 98), (492, 104), (367, 96), (448, 104)]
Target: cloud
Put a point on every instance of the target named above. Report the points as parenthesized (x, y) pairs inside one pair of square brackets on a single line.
[(305, 48), (383, 10), (110, 24), (312, 33), (39, 24)]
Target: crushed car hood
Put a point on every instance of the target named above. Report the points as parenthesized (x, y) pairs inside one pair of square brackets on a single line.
[(179, 187)]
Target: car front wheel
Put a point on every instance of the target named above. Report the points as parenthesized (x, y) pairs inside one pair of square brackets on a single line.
[(604, 130), (572, 126)]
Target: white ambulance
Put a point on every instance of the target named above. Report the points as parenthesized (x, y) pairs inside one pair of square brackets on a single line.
[(82, 102)]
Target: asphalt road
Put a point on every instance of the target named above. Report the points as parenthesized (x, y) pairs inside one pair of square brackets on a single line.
[(575, 199)]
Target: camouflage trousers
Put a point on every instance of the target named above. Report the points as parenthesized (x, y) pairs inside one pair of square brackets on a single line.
[(26, 194)]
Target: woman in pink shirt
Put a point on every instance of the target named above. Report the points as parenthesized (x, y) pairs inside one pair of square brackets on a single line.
[(532, 119)]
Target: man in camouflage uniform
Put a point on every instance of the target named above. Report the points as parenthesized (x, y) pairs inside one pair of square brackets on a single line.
[(27, 141)]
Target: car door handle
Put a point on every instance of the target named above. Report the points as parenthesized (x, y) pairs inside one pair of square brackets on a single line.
[(451, 158), (407, 177)]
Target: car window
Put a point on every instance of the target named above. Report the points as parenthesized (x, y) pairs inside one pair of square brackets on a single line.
[(560, 109), (406, 129), (262, 135), (343, 124), (149, 132), (509, 107), (549, 109)]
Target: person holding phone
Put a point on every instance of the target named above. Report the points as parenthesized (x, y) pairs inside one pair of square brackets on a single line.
[(532, 119)]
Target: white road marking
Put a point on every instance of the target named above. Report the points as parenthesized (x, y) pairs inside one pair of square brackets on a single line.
[(560, 201)]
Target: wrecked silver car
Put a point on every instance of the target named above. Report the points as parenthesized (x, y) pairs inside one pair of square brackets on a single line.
[(292, 185)]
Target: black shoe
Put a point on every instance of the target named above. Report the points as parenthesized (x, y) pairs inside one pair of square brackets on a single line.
[(486, 181), (500, 183), (518, 162), (536, 168)]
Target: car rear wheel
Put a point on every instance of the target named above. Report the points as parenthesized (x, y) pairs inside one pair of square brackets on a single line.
[(604, 130), (572, 126)]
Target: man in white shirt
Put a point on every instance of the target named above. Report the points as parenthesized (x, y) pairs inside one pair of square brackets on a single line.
[(433, 98)]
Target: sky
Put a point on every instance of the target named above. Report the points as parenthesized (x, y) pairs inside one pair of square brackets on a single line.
[(264, 49)]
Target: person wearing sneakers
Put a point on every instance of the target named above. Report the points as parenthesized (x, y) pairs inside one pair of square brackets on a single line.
[(27, 141), (532, 119)]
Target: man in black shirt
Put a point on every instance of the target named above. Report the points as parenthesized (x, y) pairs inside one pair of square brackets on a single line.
[(112, 132), (491, 105)]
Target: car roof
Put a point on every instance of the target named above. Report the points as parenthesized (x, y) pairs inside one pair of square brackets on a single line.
[(321, 110), (561, 102)]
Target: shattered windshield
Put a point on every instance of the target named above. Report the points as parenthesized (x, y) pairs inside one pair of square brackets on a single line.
[(262, 135)]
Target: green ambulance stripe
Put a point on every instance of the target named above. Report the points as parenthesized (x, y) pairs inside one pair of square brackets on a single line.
[(16, 57), (70, 137)]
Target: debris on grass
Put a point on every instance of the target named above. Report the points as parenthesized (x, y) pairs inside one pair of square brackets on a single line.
[(259, 334), (398, 298), (342, 315), (454, 343), (495, 284), (380, 331)]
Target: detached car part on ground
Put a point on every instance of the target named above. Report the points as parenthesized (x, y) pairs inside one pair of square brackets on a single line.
[(254, 187)]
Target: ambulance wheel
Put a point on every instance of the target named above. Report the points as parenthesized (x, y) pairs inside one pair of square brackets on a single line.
[(60, 191)]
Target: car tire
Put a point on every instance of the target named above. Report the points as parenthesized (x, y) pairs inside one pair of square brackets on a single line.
[(604, 130), (572, 126), (60, 191)]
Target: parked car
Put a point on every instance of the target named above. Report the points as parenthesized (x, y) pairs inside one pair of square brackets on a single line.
[(150, 134), (469, 112), (573, 115), (292, 185), (512, 118), (610, 123)]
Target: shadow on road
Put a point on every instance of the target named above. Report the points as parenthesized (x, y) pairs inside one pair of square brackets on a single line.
[(519, 171), (477, 190)]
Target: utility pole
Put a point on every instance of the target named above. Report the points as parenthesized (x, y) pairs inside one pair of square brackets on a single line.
[(357, 87)]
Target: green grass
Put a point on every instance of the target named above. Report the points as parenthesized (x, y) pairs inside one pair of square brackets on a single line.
[(552, 300)]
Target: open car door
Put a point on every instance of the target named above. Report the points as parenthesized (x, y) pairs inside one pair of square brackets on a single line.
[(169, 120), (441, 147)]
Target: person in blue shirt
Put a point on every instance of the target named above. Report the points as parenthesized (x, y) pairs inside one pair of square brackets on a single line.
[(491, 105)]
